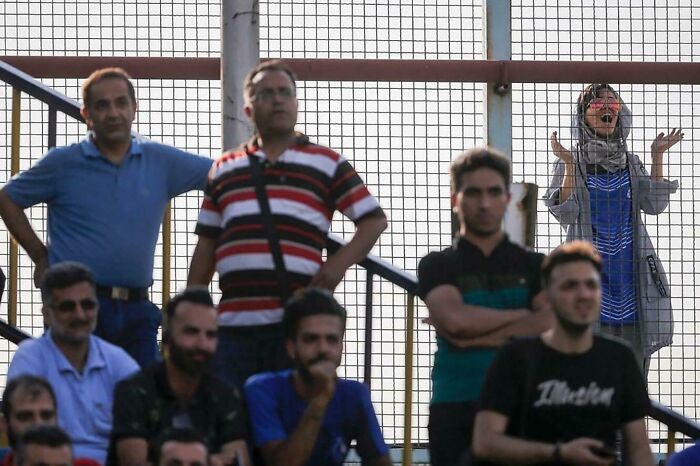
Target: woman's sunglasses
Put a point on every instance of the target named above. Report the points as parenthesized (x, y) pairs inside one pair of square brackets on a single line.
[(597, 104)]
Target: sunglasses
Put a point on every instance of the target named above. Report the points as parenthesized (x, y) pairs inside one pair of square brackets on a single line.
[(597, 104), (69, 305)]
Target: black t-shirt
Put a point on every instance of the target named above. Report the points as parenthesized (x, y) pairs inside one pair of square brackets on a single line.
[(551, 396), (508, 278), (144, 406), (509, 267)]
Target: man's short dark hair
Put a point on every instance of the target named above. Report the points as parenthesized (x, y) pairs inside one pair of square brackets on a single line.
[(192, 294), (573, 251), (178, 434), (309, 302), (474, 159), (48, 436), (64, 275), (31, 385), (264, 67), (106, 73)]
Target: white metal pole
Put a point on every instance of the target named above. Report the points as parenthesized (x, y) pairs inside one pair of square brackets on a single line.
[(240, 51), (521, 216), (497, 96)]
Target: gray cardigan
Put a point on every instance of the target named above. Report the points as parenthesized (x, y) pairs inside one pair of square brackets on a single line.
[(648, 195)]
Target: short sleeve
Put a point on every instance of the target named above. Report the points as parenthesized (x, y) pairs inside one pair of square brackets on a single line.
[(123, 365), (370, 442), (185, 171), (434, 270), (129, 411), (504, 383), (635, 402), (263, 409), (39, 183), (230, 417), (25, 363), (209, 220), (350, 195)]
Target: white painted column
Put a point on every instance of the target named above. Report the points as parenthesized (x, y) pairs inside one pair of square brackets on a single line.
[(240, 51), (497, 96)]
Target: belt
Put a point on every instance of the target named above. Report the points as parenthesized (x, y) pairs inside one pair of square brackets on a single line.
[(122, 293)]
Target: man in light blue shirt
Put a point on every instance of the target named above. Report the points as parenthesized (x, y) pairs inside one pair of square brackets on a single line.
[(105, 199), (82, 369)]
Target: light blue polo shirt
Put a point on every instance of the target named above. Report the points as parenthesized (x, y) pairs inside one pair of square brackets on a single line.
[(107, 216), (84, 401)]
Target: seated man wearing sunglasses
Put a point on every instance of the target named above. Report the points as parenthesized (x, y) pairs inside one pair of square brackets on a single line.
[(82, 368)]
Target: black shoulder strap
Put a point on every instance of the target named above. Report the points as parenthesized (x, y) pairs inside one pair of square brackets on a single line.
[(275, 249)]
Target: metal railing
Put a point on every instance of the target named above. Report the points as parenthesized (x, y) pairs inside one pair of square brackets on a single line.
[(375, 267)]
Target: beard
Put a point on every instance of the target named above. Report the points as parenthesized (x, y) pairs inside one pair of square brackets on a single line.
[(185, 359), (303, 368), (573, 329)]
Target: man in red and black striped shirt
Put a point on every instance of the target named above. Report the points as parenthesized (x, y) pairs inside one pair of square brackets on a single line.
[(305, 184)]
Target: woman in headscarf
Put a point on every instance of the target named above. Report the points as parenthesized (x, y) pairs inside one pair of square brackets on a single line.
[(597, 193)]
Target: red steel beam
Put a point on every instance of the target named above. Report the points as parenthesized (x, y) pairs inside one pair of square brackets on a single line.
[(492, 71)]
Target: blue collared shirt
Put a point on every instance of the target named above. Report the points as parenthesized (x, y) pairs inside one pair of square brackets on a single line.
[(104, 215), (84, 400)]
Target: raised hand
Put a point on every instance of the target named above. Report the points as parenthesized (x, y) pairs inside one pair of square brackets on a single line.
[(663, 142), (560, 151), (325, 378)]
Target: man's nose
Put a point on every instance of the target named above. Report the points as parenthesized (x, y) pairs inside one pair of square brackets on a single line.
[(112, 110)]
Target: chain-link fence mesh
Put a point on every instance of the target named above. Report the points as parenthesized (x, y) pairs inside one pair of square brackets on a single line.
[(399, 136)]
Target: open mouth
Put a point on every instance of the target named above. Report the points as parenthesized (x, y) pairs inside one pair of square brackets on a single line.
[(607, 118)]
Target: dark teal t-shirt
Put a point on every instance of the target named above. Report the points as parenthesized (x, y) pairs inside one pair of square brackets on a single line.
[(507, 279)]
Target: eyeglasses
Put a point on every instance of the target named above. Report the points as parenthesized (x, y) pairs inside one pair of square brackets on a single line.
[(598, 103), (70, 305), (266, 95)]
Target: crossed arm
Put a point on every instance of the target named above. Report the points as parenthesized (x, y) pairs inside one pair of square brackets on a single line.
[(466, 325)]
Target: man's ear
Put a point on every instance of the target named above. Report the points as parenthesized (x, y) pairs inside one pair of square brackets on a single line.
[(45, 313), (290, 348), (3, 425), (86, 116)]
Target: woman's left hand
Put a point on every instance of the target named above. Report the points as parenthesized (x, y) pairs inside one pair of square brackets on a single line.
[(663, 142)]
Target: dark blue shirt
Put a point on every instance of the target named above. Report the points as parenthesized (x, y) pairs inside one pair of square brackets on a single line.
[(104, 215), (688, 457), (276, 409), (611, 219)]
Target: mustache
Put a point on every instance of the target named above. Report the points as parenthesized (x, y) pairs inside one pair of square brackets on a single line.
[(319, 358), (202, 353), (80, 323)]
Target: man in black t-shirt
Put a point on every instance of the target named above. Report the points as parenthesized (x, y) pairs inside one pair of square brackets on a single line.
[(179, 392), (561, 398)]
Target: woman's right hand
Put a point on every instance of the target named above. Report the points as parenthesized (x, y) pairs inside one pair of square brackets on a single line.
[(560, 151)]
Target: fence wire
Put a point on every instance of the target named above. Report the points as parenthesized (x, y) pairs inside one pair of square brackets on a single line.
[(399, 136)]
